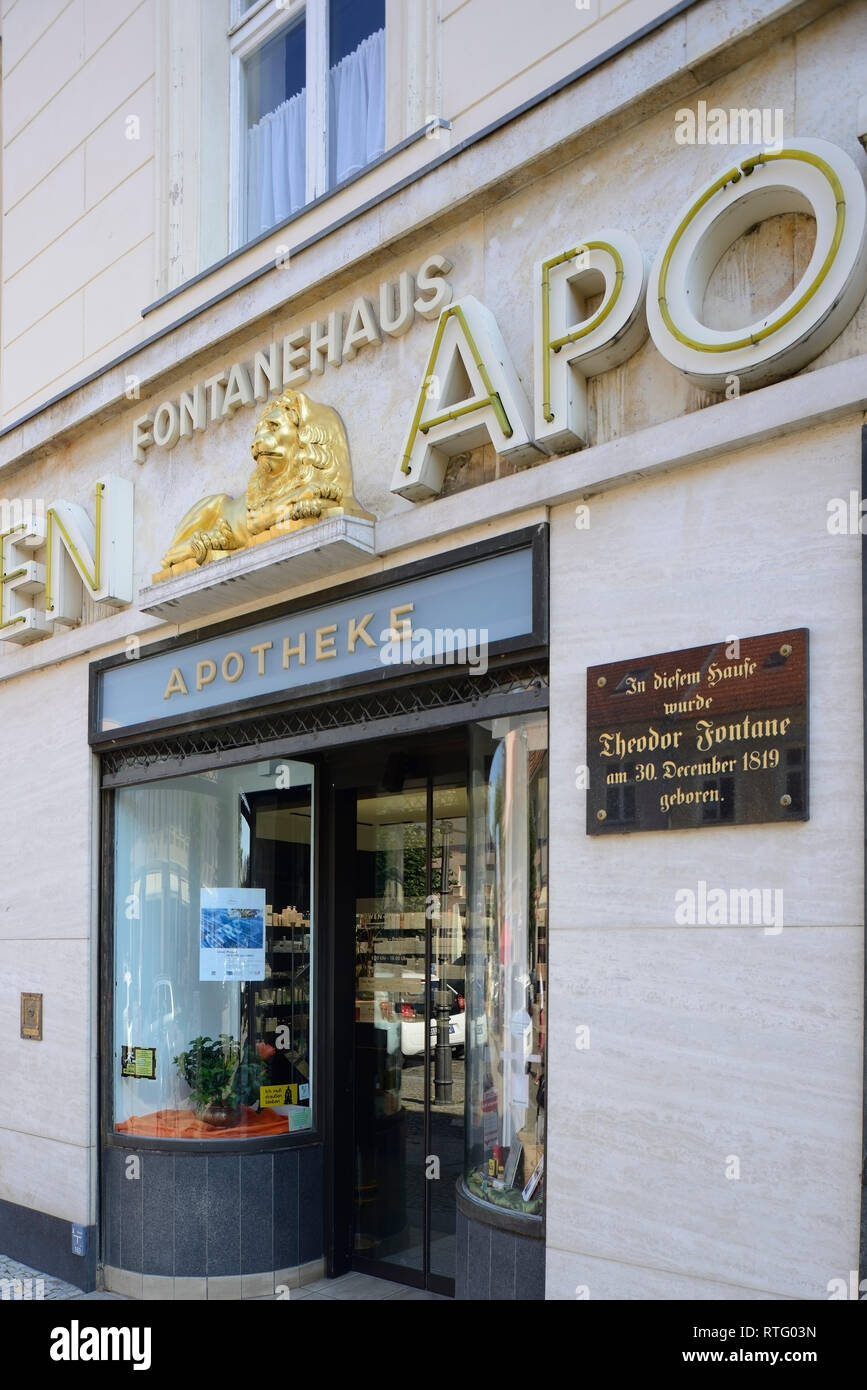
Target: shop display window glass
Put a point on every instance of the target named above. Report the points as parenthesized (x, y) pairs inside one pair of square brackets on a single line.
[(507, 963), (213, 958)]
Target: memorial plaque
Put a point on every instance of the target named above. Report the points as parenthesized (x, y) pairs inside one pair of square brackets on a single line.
[(713, 735)]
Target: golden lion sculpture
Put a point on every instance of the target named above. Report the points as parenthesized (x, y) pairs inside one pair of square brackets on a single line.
[(302, 472)]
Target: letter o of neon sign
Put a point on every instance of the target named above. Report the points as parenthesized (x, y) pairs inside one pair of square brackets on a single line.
[(805, 176)]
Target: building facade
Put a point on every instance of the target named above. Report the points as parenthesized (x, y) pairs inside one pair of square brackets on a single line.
[(431, 463)]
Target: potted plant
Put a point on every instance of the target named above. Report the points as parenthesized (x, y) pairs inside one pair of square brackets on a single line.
[(221, 1076)]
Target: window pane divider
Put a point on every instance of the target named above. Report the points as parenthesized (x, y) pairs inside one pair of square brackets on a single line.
[(317, 98)]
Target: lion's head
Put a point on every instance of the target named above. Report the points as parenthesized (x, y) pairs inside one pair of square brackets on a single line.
[(298, 444)]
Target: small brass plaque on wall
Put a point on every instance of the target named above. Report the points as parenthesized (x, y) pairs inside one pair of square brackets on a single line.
[(31, 1016)]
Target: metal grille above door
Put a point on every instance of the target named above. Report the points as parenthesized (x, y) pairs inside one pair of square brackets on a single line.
[(377, 714)]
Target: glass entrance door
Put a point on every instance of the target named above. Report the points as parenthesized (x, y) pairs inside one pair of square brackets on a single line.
[(409, 1028)]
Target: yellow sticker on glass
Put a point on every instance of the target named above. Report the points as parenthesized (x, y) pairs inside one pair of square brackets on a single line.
[(272, 1095)]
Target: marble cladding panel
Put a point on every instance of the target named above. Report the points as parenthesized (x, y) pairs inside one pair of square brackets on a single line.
[(46, 872), (708, 1138), (46, 1175), (572, 1276), (705, 1108), (44, 1084)]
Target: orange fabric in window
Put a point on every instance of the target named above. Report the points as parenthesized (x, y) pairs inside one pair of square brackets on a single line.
[(182, 1124)]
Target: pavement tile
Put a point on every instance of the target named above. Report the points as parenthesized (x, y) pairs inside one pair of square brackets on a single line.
[(43, 1287), (353, 1287)]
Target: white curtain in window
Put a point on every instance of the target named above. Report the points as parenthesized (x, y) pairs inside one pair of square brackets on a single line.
[(356, 109), (276, 165)]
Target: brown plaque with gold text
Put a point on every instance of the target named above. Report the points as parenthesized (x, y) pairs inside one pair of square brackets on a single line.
[(713, 735)]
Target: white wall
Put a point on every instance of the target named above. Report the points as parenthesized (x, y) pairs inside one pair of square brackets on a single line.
[(97, 225), (709, 1042), (78, 195), (497, 54), (48, 874)]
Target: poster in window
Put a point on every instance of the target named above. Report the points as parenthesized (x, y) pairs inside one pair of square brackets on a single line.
[(139, 1061), (232, 936)]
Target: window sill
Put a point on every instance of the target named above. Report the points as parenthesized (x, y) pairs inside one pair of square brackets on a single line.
[(425, 132), (302, 1138), (533, 1227)]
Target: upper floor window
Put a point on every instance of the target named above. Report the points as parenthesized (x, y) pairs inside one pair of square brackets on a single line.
[(308, 98)]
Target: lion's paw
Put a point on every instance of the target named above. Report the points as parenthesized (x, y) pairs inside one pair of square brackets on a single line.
[(200, 547)]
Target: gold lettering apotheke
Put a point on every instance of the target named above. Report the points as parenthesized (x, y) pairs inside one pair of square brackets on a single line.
[(297, 648)]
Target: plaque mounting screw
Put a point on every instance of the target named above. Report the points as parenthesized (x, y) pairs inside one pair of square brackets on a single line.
[(601, 681), (785, 800), (601, 815), (785, 649)]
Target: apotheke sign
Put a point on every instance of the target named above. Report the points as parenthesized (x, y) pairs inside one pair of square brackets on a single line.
[(365, 637)]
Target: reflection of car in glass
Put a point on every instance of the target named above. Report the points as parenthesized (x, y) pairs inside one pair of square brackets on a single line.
[(376, 1007), (412, 1022), (384, 1017)]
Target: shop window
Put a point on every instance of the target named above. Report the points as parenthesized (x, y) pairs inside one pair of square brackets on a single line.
[(309, 96), (213, 955), (506, 1006)]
